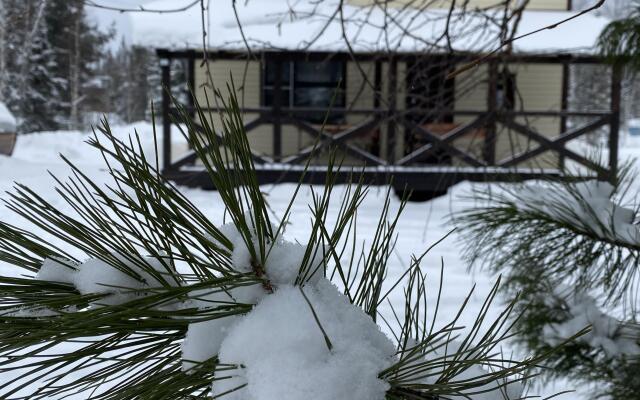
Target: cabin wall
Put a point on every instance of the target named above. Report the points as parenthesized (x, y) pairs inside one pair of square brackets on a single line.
[(533, 4), (539, 88)]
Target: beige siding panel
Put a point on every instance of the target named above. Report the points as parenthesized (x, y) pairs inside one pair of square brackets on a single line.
[(533, 4), (359, 93), (470, 92), (539, 89), (246, 79)]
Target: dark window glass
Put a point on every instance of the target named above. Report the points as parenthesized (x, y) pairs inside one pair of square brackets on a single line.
[(268, 97), (313, 85), (270, 74), (327, 73)]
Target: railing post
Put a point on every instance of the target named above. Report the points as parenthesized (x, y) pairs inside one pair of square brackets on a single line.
[(165, 65), (191, 79), (377, 84), (277, 105), (614, 126), (377, 94), (564, 106), (489, 148), (392, 94)]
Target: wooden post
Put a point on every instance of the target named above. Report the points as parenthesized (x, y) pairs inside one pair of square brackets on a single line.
[(614, 126), (392, 95), (565, 106), (377, 84), (165, 65), (277, 105), (377, 95), (191, 79), (489, 149)]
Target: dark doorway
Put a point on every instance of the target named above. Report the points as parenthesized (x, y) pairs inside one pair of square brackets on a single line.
[(430, 102)]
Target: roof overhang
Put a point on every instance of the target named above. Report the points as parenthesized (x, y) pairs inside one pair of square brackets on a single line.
[(271, 25)]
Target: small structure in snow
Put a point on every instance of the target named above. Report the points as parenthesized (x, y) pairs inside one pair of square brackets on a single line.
[(7, 130)]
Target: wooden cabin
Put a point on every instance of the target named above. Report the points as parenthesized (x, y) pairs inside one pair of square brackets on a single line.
[(392, 104)]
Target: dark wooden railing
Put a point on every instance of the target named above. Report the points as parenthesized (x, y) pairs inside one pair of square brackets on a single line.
[(410, 169)]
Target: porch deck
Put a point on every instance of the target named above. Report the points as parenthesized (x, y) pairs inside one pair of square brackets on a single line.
[(414, 168)]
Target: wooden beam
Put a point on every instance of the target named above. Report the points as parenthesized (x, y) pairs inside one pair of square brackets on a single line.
[(191, 80), (438, 142), (551, 145), (165, 66), (301, 55), (340, 140), (276, 108), (417, 178), (560, 140), (614, 127), (423, 151), (489, 145), (392, 96), (564, 105)]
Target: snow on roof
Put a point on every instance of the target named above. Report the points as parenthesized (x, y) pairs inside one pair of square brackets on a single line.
[(7, 120), (276, 24)]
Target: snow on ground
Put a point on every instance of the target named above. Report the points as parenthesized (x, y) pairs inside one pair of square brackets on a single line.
[(421, 225)]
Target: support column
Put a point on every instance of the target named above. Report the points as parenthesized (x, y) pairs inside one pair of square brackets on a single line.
[(277, 105), (165, 66), (565, 106), (191, 79), (614, 126), (377, 95), (489, 148), (392, 93)]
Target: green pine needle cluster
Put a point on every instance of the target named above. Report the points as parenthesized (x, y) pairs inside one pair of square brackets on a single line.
[(55, 341)]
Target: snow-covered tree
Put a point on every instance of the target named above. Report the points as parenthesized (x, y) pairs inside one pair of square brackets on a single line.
[(572, 252), (78, 46)]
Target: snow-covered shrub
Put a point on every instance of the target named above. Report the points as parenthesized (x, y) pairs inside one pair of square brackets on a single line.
[(167, 305), (571, 251)]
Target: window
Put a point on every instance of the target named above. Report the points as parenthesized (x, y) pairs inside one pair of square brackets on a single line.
[(308, 84)]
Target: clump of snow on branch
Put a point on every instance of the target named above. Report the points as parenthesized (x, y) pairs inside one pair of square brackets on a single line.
[(95, 276), (284, 258), (281, 351), (588, 205), (607, 333), (57, 271)]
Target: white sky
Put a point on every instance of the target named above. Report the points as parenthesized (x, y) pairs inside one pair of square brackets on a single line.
[(121, 22)]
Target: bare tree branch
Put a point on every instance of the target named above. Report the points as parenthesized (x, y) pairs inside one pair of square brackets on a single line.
[(140, 8)]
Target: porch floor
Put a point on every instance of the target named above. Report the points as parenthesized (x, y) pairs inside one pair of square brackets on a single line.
[(417, 178)]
